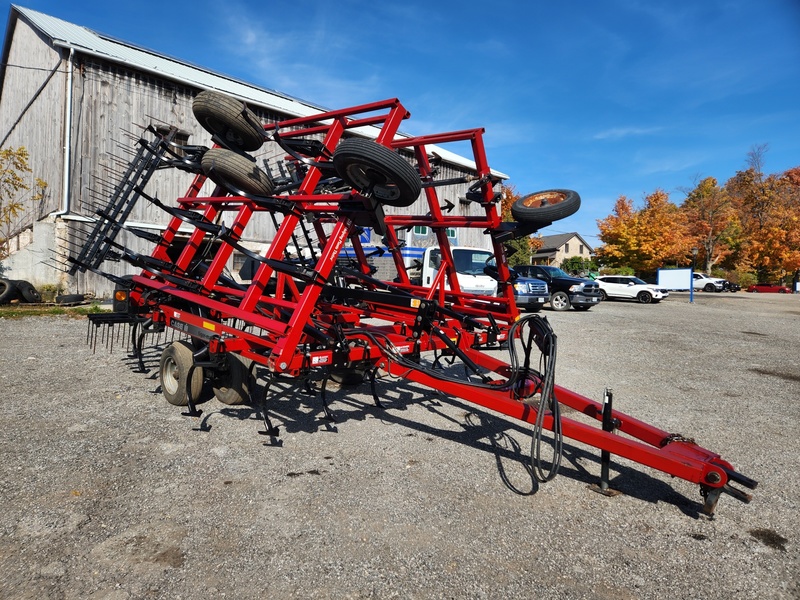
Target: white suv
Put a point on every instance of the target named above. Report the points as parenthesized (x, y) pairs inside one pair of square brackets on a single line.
[(627, 286)]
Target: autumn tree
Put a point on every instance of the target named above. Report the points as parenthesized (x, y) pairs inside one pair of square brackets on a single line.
[(768, 207), (644, 239), (711, 222), (15, 193), (520, 249)]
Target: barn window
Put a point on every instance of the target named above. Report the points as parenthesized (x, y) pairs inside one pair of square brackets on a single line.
[(181, 138)]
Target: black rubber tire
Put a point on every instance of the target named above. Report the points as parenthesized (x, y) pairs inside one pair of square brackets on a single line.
[(644, 297), (372, 169), (232, 386), (28, 292), (534, 308), (546, 207), (709, 287), (224, 117), (560, 301), (603, 295), (236, 173), (582, 308), (173, 371), (70, 299), (8, 291)]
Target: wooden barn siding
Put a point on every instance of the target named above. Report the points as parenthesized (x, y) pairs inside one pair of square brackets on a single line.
[(40, 129)]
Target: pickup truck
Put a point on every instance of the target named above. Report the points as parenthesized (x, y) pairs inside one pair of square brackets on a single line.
[(477, 274), (565, 291), (701, 281)]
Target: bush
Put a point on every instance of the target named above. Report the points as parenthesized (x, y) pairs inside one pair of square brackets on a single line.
[(617, 271)]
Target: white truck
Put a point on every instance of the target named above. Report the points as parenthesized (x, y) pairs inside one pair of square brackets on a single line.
[(471, 263), (701, 281)]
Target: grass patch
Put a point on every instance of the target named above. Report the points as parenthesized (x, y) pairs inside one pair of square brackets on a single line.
[(20, 311)]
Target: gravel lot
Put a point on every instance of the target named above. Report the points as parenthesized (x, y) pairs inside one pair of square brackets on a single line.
[(108, 492)]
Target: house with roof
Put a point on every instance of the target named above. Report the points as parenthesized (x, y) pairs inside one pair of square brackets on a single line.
[(557, 248), (79, 101)]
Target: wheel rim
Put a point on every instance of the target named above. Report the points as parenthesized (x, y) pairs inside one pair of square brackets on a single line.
[(369, 179), (644, 298), (559, 302), (544, 199), (170, 376)]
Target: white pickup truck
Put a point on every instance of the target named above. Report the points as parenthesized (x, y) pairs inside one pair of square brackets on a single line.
[(701, 281), (471, 263)]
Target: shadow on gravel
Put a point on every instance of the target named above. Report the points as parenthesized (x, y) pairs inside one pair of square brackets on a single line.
[(297, 408)]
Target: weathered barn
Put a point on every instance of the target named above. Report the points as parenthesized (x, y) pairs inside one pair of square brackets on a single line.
[(79, 100)]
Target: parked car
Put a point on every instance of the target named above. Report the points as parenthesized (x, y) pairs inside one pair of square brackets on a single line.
[(701, 281), (633, 288), (729, 286), (530, 293), (769, 288), (565, 291)]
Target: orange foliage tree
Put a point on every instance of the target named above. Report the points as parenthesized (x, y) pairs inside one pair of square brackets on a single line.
[(768, 207), (644, 239)]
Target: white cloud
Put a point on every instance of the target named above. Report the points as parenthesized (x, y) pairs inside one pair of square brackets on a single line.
[(616, 133)]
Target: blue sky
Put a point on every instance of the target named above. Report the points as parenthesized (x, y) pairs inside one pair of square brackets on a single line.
[(609, 98)]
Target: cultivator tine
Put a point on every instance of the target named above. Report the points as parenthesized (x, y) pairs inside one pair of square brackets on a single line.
[(373, 374)]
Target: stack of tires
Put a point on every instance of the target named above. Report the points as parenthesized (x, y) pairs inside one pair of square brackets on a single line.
[(23, 291)]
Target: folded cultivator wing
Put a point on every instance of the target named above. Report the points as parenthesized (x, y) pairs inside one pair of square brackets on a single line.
[(314, 308)]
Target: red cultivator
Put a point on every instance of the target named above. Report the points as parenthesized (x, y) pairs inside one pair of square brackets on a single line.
[(314, 309)]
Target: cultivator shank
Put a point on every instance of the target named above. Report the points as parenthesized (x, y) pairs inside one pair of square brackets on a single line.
[(314, 308)]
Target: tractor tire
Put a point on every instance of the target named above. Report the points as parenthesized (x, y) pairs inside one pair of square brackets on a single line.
[(560, 301), (376, 171), (644, 297), (543, 208), (232, 386), (8, 291), (28, 292), (236, 173), (229, 119), (69, 299), (173, 371)]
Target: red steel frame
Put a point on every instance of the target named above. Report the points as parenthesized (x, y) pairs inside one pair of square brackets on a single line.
[(283, 329)]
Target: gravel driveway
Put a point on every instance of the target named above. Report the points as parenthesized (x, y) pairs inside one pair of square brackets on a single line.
[(108, 492)]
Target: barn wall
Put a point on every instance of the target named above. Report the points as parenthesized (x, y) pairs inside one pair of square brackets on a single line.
[(40, 126)]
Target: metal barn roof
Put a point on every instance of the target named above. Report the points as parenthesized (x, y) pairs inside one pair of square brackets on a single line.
[(82, 39)]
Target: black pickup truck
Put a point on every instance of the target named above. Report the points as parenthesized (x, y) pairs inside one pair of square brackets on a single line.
[(565, 290)]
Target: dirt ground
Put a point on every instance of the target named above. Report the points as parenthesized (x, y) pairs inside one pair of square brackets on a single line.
[(110, 493)]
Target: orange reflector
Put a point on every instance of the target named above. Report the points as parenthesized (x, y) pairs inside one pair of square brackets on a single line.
[(121, 295)]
